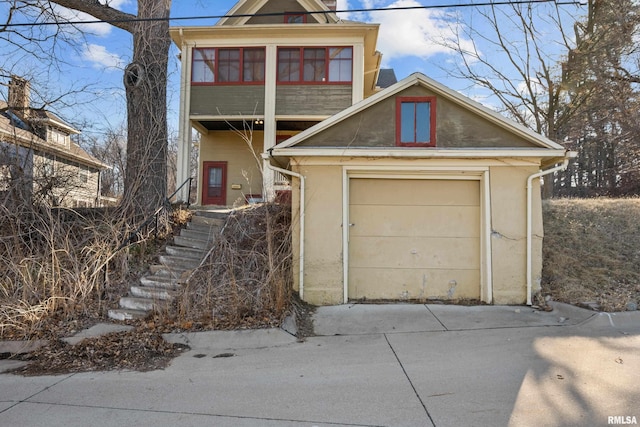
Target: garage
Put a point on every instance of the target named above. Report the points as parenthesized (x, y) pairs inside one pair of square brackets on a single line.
[(414, 239), (454, 216)]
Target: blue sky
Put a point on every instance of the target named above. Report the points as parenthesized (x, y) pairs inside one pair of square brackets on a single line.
[(92, 70)]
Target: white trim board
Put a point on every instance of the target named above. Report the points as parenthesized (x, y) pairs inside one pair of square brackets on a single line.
[(480, 174)]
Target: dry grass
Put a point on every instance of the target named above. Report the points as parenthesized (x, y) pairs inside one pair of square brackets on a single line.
[(246, 279), (591, 251), (61, 265), (53, 262)]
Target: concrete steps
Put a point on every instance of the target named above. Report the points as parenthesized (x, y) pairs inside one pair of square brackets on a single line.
[(179, 263), (191, 243), (126, 314), (160, 281), (183, 252), (157, 289)]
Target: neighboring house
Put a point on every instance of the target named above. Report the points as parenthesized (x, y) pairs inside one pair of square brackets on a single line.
[(401, 191), (254, 80), (38, 160)]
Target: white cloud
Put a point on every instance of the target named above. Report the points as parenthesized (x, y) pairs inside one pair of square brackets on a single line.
[(343, 5), (101, 58), (535, 88), (415, 32)]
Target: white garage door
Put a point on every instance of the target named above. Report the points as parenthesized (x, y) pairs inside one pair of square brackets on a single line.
[(414, 238)]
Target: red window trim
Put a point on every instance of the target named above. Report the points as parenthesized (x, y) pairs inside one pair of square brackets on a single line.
[(296, 14), (432, 120), (326, 65), (241, 82)]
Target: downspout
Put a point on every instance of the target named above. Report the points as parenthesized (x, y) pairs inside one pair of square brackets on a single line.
[(301, 255), (562, 166)]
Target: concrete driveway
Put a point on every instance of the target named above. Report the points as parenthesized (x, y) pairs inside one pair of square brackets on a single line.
[(369, 365)]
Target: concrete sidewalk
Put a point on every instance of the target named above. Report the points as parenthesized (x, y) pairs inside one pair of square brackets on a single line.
[(370, 365)]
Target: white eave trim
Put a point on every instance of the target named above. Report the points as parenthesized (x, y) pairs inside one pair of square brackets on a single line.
[(37, 144), (417, 153), (309, 5), (56, 124)]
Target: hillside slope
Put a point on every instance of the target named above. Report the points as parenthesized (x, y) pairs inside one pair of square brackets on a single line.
[(591, 251)]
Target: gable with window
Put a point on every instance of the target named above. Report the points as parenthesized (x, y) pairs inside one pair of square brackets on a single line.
[(58, 137), (416, 121), (228, 66), (295, 18)]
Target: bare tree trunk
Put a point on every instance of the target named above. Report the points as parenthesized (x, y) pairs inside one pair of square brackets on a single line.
[(146, 84)]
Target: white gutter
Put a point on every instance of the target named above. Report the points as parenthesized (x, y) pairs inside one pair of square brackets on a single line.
[(284, 151), (301, 255), (568, 155)]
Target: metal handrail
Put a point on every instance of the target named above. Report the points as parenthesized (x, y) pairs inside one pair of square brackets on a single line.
[(154, 217), (189, 180)]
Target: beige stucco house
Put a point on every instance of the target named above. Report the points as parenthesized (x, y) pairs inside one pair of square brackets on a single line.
[(251, 81), (406, 192), (38, 160), (417, 193)]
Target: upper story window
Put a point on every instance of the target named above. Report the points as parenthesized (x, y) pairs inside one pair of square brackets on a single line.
[(228, 65), (57, 137), (49, 165), (416, 121), (315, 65), (83, 174), (295, 18)]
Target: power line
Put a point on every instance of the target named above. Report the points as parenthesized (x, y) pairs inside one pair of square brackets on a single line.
[(322, 12)]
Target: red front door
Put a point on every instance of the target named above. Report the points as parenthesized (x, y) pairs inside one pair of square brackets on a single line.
[(214, 190)]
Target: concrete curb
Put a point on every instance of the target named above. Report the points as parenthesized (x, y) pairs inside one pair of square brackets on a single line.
[(230, 340)]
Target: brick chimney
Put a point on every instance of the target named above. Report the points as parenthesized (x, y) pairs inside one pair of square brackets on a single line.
[(331, 4), (19, 95)]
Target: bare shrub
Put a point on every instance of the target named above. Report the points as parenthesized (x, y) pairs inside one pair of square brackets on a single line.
[(53, 261), (66, 264), (246, 279)]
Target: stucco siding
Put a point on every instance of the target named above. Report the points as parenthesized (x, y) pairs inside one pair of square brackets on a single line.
[(436, 241), (323, 278), (509, 229), (242, 166)]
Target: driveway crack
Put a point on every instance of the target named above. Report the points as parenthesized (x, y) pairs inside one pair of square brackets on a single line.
[(434, 315), (410, 382), (37, 393)]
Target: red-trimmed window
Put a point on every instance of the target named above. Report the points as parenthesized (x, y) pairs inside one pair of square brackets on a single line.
[(416, 121), (253, 65), (228, 65), (295, 18), (315, 65)]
